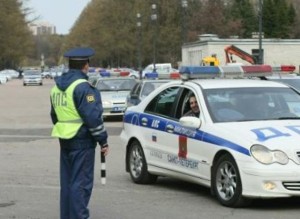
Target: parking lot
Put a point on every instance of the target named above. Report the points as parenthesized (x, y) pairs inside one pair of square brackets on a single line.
[(29, 182)]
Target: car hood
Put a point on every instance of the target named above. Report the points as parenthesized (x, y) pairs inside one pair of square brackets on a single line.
[(114, 95), (276, 135)]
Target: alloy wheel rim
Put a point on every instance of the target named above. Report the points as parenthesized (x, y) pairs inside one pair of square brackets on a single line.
[(136, 162), (226, 181)]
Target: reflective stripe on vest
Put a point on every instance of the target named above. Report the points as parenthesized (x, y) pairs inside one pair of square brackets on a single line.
[(68, 118)]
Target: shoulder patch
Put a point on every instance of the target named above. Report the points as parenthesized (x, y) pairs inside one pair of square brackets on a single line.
[(90, 98)]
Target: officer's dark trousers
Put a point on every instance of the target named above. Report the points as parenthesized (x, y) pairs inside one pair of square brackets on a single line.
[(76, 179)]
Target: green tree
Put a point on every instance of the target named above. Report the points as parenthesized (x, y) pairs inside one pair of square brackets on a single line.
[(243, 10), (15, 36)]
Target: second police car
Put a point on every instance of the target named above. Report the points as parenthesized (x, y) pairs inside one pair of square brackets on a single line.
[(244, 145), (114, 91)]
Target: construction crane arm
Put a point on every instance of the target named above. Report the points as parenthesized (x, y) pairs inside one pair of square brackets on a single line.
[(233, 50)]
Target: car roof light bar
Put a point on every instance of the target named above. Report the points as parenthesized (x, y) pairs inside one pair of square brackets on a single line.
[(283, 68), (174, 75), (124, 73), (231, 71), (105, 74), (287, 68), (151, 75), (194, 72), (257, 70)]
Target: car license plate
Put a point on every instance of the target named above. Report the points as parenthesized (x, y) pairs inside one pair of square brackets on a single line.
[(118, 109)]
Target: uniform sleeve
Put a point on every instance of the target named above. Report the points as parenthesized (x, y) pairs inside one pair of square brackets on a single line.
[(53, 114), (89, 106)]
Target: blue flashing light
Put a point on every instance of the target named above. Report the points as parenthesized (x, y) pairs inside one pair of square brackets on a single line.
[(105, 74), (199, 71), (151, 75)]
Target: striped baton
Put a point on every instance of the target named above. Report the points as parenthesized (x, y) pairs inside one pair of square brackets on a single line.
[(103, 169)]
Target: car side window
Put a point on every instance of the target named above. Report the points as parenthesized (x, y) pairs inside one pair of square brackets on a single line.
[(164, 103), (134, 90)]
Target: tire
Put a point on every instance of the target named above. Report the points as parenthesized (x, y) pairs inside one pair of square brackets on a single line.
[(136, 162), (226, 183)]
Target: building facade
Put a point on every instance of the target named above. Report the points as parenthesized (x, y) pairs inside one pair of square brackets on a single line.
[(40, 28), (276, 51)]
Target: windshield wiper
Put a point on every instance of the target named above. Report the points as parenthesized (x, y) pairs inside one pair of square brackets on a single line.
[(287, 117)]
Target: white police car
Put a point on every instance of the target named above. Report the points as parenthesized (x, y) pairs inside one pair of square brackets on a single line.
[(244, 145), (114, 91)]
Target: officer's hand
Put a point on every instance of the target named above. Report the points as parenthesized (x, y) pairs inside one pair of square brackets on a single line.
[(105, 150)]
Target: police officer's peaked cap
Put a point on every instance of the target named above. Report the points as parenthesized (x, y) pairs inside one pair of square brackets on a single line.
[(80, 53)]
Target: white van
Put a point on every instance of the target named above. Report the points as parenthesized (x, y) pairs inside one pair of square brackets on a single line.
[(163, 69)]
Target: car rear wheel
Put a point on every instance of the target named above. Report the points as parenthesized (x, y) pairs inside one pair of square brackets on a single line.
[(226, 183), (137, 165)]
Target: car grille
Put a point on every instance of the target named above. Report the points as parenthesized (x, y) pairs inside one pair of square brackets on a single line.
[(298, 154), (295, 186)]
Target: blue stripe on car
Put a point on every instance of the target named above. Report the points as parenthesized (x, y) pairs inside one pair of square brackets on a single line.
[(135, 119)]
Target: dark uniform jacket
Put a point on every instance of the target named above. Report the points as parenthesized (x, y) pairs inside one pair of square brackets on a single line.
[(88, 102)]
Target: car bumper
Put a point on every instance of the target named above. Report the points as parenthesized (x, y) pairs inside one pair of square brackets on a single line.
[(113, 111), (32, 81), (271, 182)]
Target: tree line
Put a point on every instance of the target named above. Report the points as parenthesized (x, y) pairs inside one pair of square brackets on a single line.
[(110, 27)]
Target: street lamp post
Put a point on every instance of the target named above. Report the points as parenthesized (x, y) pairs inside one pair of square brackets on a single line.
[(42, 62), (260, 55), (154, 20), (184, 5), (139, 38)]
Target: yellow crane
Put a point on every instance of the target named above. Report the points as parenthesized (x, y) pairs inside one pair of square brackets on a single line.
[(210, 60)]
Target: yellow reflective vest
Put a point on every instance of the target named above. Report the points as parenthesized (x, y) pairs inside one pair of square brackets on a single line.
[(69, 120)]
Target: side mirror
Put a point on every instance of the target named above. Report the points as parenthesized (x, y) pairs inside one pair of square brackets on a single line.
[(134, 96), (190, 122)]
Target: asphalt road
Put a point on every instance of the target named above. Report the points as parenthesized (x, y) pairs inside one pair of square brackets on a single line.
[(29, 177)]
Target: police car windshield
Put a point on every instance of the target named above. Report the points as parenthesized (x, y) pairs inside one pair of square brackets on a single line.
[(115, 84), (252, 104)]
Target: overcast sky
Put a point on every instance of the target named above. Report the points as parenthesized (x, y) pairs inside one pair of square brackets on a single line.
[(60, 13)]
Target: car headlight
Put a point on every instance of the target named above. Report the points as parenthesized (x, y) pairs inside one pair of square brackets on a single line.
[(263, 155), (107, 103)]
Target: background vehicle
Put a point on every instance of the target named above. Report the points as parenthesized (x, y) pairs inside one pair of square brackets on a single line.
[(210, 60), (32, 77), (113, 93), (237, 146), (162, 69), (292, 80), (3, 79), (142, 89)]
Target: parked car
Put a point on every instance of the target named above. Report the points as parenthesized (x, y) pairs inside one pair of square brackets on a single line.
[(6, 74), (292, 80), (93, 77), (12, 73), (162, 71), (3, 79), (113, 93), (47, 74), (142, 89), (243, 145), (32, 77)]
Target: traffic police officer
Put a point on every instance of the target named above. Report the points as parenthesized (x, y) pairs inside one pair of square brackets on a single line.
[(76, 112)]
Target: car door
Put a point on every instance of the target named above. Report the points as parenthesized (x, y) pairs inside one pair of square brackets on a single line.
[(157, 117), (185, 154)]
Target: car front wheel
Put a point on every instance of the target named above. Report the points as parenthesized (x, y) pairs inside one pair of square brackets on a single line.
[(226, 183), (138, 166)]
